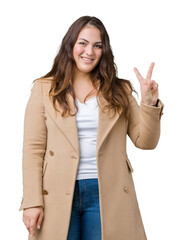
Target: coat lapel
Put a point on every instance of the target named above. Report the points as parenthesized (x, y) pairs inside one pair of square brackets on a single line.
[(68, 125), (105, 122)]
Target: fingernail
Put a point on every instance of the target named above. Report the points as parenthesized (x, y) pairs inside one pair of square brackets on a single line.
[(38, 226)]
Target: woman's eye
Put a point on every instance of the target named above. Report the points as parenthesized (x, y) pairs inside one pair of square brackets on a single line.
[(98, 46), (82, 43)]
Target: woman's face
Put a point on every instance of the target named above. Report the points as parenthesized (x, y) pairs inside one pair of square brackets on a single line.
[(87, 50)]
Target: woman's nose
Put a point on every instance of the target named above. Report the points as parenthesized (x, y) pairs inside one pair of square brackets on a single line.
[(89, 50)]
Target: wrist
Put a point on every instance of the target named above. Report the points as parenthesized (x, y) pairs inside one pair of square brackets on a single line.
[(150, 104)]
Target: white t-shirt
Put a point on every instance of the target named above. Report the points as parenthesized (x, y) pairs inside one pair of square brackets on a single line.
[(87, 124)]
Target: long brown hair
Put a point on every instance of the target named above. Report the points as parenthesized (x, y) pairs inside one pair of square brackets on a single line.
[(113, 89)]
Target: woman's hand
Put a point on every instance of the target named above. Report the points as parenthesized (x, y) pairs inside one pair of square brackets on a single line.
[(148, 87), (31, 217)]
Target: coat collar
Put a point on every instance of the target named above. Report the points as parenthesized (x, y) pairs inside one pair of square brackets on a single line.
[(68, 125)]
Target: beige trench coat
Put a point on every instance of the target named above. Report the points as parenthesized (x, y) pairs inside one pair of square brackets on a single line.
[(51, 157)]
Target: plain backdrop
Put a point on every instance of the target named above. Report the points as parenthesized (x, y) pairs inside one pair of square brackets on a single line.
[(141, 31)]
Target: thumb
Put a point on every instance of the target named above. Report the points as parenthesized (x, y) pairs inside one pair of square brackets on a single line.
[(39, 221)]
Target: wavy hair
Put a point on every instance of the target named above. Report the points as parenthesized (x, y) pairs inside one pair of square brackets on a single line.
[(103, 76)]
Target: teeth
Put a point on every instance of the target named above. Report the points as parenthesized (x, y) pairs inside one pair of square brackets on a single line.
[(88, 59)]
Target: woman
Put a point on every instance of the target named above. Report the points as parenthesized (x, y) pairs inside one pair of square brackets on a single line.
[(77, 178)]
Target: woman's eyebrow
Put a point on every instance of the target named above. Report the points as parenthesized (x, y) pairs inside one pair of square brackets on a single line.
[(88, 41)]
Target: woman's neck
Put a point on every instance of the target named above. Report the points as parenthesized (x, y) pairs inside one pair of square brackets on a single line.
[(83, 79)]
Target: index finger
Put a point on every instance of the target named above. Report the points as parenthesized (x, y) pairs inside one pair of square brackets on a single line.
[(149, 73), (139, 76)]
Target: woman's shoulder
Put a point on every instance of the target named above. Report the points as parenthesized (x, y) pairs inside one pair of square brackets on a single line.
[(126, 85), (42, 84), (41, 80)]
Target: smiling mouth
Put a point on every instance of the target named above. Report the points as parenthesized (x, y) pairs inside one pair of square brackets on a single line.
[(85, 59)]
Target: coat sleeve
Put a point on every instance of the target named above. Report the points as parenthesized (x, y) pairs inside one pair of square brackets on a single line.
[(34, 145), (144, 124)]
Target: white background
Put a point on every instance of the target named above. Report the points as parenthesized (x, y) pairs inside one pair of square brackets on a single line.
[(140, 32)]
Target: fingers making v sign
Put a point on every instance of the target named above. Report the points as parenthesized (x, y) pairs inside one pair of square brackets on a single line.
[(148, 87)]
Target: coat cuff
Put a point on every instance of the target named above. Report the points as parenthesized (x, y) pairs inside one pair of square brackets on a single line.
[(27, 204), (153, 110)]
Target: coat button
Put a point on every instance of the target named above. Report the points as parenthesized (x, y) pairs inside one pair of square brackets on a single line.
[(126, 189), (51, 153), (45, 192)]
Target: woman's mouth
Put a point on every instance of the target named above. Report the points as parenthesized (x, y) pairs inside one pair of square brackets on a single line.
[(87, 60)]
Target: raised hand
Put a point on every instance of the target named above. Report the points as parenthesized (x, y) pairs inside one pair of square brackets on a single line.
[(148, 87)]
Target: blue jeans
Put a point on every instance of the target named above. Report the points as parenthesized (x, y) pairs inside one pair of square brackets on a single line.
[(85, 216)]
